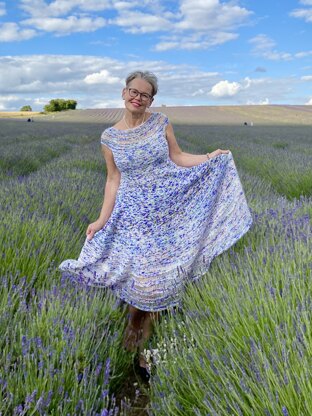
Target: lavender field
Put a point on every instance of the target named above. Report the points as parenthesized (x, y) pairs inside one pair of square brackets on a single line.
[(241, 344)]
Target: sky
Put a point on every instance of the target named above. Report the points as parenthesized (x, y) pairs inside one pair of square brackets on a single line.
[(204, 52)]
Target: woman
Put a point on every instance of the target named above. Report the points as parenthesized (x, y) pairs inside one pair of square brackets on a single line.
[(166, 214)]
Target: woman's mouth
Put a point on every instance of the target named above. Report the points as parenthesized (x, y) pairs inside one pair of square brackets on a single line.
[(135, 104)]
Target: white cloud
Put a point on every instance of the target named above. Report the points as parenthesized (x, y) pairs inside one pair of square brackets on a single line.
[(68, 16), (68, 25), (225, 89), (262, 42), (2, 9), (277, 56), (202, 25), (102, 77), (124, 5), (10, 32), (138, 22), (57, 8), (303, 54), (264, 46), (6, 98), (244, 91), (199, 92), (66, 76), (303, 13), (266, 101), (6, 101), (205, 24), (165, 46), (63, 17), (117, 103), (40, 101), (211, 15), (96, 81), (307, 78), (195, 41), (309, 102)]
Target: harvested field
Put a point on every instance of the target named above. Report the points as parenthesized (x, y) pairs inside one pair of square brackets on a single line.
[(18, 114), (204, 115)]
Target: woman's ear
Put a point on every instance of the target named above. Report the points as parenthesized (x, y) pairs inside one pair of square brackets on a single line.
[(123, 93)]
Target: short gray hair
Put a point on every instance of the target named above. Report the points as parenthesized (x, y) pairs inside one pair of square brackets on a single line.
[(147, 76)]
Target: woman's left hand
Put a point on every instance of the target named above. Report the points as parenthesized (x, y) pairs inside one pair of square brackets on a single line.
[(217, 153)]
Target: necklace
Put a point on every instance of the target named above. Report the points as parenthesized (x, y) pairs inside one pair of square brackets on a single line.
[(124, 119)]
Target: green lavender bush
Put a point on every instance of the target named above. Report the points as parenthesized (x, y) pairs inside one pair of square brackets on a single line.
[(281, 155), (241, 342), (60, 342)]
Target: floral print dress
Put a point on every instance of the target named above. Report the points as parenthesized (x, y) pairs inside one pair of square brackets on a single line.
[(168, 221)]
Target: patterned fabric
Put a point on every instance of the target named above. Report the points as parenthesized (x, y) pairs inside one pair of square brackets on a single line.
[(168, 221)]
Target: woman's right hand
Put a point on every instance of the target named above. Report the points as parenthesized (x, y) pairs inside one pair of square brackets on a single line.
[(93, 228)]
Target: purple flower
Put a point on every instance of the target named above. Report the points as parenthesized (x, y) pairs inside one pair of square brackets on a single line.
[(31, 397), (25, 345), (107, 370), (18, 409), (48, 401), (80, 406), (285, 411), (98, 369), (104, 393)]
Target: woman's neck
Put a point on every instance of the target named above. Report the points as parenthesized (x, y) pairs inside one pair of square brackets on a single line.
[(133, 120)]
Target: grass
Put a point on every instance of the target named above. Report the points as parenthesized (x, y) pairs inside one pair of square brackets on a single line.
[(240, 344)]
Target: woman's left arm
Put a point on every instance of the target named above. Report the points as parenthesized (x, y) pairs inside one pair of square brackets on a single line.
[(186, 159)]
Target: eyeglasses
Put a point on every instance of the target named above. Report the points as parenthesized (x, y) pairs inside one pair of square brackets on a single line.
[(134, 93)]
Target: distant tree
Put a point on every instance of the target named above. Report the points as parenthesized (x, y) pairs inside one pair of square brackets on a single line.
[(58, 104), (26, 108), (71, 104)]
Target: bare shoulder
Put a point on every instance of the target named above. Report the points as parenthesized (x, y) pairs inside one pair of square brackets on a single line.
[(169, 130)]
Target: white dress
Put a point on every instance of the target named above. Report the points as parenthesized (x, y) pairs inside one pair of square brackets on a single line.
[(168, 221)]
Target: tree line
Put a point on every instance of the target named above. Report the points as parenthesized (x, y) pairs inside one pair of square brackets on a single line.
[(57, 104)]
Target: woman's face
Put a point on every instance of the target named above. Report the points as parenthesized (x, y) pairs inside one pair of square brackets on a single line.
[(135, 102)]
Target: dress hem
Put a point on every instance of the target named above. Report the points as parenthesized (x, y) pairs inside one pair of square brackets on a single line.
[(199, 268)]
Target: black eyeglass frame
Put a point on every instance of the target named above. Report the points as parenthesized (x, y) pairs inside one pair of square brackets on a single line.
[(144, 95)]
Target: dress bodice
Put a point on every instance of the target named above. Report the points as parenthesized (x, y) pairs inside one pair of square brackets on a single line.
[(141, 148)]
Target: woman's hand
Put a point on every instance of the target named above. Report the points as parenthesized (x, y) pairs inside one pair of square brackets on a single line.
[(93, 228), (217, 153)]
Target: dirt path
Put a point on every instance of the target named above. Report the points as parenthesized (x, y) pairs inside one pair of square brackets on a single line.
[(133, 396)]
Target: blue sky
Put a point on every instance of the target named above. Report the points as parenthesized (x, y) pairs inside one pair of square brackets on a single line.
[(205, 52)]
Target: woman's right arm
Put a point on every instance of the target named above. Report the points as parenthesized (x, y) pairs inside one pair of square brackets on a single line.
[(111, 188)]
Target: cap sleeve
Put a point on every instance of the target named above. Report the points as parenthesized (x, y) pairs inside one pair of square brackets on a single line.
[(164, 119), (105, 139)]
